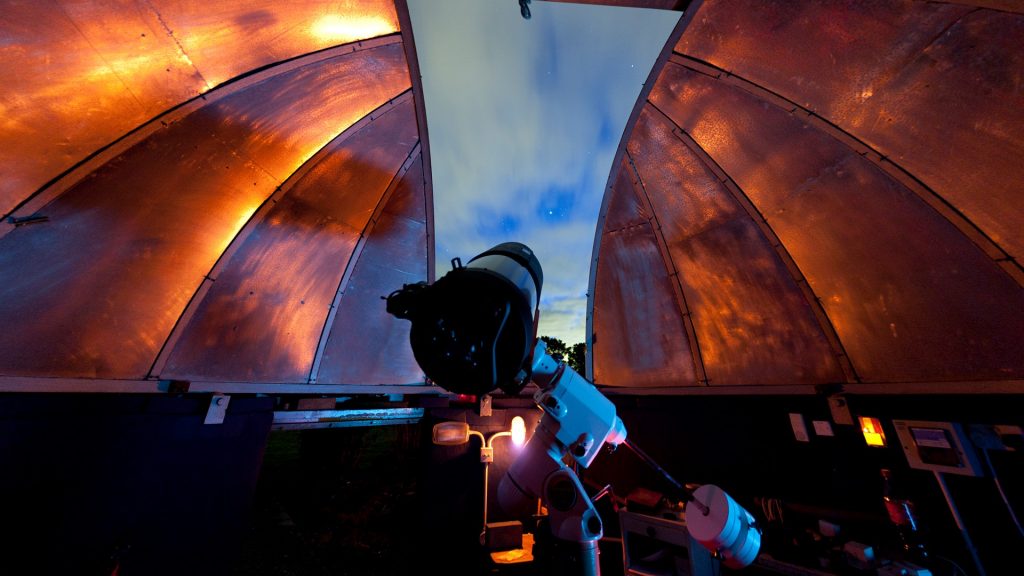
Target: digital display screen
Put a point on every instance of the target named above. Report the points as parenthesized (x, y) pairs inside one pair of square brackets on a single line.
[(930, 438), (937, 446), (934, 447)]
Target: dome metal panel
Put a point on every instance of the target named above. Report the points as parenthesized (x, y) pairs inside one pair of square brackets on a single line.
[(830, 138), (366, 345), (642, 336), (933, 87), (105, 280), (751, 321), (77, 76), (631, 262), (113, 266), (261, 319), (869, 247)]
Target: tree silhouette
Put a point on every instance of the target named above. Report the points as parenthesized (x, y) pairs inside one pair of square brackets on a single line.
[(575, 356), (578, 358)]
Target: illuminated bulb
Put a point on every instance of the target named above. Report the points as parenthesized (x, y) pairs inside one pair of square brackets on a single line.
[(518, 431), (872, 430)]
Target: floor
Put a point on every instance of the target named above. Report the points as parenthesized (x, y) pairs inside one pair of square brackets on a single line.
[(335, 502)]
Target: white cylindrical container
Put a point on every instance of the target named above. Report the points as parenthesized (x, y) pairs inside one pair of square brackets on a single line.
[(726, 529)]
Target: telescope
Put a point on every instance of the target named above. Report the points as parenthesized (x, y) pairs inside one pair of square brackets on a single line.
[(475, 330)]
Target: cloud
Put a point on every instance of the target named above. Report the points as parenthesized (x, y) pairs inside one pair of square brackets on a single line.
[(564, 318), (524, 119)]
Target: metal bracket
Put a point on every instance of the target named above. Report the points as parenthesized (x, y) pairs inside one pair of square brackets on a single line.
[(840, 409), (218, 409)]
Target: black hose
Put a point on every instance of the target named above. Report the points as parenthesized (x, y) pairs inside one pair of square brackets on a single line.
[(684, 492)]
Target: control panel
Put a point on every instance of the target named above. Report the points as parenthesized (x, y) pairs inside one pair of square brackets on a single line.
[(937, 446)]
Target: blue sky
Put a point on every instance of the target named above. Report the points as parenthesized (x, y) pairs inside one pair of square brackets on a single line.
[(524, 117)]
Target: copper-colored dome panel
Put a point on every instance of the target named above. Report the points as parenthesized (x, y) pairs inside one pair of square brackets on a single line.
[(872, 152), (213, 244)]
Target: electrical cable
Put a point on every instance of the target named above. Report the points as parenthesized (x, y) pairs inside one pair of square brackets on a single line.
[(771, 508), (955, 565), (1002, 494), (686, 494), (766, 509)]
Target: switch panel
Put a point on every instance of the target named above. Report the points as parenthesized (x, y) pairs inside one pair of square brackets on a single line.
[(822, 428), (799, 427)]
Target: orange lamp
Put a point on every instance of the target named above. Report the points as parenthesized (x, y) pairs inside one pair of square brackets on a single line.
[(872, 430)]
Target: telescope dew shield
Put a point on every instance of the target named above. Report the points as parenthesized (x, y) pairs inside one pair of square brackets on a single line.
[(473, 329)]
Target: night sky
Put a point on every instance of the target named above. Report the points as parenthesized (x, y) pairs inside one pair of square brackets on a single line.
[(524, 117)]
